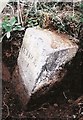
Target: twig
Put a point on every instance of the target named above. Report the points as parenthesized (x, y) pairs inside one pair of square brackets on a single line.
[(11, 8), (2, 37), (64, 95), (28, 10), (21, 11), (7, 110), (73, 8), (35, 5), (18, 11)]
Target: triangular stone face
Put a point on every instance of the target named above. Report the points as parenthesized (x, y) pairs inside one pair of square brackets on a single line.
[(42, 57)]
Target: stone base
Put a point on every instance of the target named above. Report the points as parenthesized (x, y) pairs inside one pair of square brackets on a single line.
[(22, 92), (41, 60)]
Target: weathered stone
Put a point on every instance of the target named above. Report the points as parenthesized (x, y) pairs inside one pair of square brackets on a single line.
[(41, 59)]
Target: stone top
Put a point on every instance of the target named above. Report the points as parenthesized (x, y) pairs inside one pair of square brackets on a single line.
[(51, 40)]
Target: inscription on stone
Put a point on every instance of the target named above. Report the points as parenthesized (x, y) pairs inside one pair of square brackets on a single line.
[(41, 56)]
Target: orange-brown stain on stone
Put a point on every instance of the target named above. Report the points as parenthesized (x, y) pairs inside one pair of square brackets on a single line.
[(63, 37)]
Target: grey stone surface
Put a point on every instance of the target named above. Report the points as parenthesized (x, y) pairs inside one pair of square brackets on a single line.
[(42, 56)]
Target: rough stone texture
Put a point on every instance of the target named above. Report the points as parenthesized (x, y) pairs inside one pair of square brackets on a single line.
[(41, 59)]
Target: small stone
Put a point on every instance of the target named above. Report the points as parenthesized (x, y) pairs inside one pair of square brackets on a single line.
[(74, 116), (55, 105), (81, 113)]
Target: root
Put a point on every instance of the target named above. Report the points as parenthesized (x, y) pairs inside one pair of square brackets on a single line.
[(8, 113)]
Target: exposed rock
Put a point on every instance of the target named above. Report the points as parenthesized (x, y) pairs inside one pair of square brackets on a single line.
[(41, 60)]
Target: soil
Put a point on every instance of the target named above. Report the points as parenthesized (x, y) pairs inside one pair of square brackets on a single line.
[(63, 102)]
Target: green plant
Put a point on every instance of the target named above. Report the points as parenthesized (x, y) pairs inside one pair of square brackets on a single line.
[(81, 9), (9, 25)]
